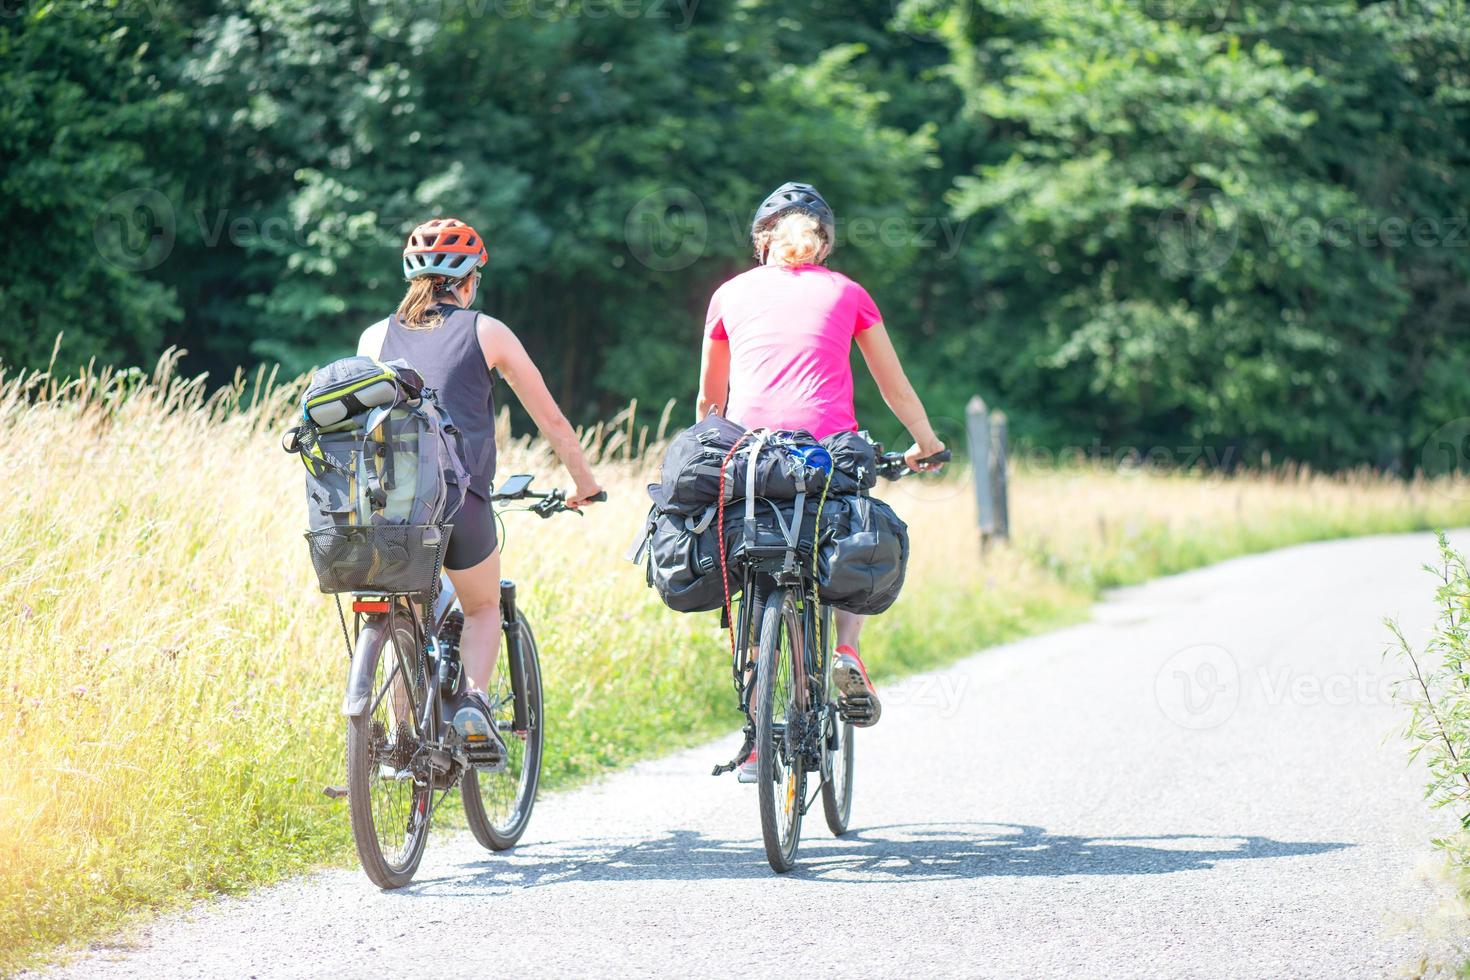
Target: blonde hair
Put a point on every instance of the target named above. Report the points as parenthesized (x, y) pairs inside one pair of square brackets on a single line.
[(794, 238), (416, 311)]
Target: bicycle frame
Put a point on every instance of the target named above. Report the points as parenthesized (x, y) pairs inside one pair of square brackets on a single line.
[(810, 682)]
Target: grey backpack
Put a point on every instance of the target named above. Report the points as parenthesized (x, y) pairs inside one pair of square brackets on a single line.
[(383, 477)]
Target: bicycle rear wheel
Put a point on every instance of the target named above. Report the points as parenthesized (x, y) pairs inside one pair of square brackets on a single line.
[(388, 805), (779, 716), (497, 806)]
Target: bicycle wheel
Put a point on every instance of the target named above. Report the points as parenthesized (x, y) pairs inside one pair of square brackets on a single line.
[(778, 720), (838, 748), (389, 807), (498, 805), (837, 789)]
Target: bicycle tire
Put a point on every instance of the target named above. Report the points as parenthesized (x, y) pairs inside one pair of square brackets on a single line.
[(366, 787), (781, 783), (838, 757), (502, 835), (837, 789)]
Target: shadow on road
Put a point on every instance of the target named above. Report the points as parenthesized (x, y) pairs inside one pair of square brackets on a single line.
[(901, 852)]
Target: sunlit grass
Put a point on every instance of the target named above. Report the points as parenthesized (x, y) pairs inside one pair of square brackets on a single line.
[(169, 708)]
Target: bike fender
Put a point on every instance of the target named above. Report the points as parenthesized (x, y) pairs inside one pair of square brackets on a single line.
[(364, 663)]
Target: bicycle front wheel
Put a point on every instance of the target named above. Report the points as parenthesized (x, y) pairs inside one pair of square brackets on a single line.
[(779, 717), (497, 805), (837, 749), (387, 803)]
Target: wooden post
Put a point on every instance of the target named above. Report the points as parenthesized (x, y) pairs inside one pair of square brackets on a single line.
[(1000, 445), (977, 430)]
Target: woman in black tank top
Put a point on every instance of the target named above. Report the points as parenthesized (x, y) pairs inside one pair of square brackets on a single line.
[(456, 350)]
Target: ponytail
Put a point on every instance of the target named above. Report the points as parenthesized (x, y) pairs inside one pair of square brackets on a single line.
[(794, 238), (416, 311)]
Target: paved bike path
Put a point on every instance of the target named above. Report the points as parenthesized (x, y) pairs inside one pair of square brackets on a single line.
[(1196, 783)]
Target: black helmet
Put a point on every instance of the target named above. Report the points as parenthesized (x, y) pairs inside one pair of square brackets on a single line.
[(792, 196)]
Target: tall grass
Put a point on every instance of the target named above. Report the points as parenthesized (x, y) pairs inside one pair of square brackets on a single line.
[(169, 698)]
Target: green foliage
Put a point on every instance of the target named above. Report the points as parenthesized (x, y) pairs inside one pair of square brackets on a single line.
[(1438, 698), (1197, 222)]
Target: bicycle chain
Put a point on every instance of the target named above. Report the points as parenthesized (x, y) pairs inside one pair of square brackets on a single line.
[(342, 618)]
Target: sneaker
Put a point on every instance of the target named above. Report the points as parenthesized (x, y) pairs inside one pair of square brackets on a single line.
[(475, 726), (857, 699), (749, 771)]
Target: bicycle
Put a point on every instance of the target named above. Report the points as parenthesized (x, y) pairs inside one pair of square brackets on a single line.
[(785, 690), (403, 757)]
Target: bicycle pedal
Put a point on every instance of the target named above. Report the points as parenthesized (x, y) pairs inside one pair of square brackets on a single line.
[(859, 712), (486, 754), (334, 792)]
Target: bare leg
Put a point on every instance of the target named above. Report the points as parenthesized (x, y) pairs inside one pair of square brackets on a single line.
[(478, 588), (849, 629)]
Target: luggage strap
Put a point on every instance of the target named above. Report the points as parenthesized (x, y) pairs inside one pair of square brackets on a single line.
[(791, 532), (378, 483)]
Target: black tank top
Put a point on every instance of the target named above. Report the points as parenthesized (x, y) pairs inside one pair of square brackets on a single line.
[(450, 359)]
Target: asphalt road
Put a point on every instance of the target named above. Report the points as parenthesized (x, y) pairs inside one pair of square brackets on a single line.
[(1202, 781)]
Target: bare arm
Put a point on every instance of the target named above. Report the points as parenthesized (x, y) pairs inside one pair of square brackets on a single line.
[(504, 352), (893, 384), (714, 377)]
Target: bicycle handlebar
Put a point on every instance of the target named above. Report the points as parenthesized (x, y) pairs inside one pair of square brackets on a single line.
[(547, 504), (892, 466)]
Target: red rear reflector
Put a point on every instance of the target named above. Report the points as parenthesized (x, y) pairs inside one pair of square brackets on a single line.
[(369, 605)]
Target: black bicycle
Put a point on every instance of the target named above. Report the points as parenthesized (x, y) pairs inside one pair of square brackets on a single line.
[(403, 756), (782, 648)]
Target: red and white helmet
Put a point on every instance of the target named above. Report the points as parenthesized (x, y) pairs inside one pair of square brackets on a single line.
[(443, 247)]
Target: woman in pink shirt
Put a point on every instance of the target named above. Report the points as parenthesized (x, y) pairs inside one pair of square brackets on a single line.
[(776, 345)]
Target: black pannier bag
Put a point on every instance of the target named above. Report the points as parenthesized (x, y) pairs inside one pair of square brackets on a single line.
[(681, 557), (865, 555)]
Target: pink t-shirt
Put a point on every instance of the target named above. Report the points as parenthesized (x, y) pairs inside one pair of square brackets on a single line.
[(790, 333)]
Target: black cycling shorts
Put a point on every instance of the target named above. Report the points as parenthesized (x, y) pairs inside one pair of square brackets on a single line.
[(472, 536)]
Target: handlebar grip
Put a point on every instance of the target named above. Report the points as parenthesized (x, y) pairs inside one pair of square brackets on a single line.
[(943, 456), (598, 498)]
